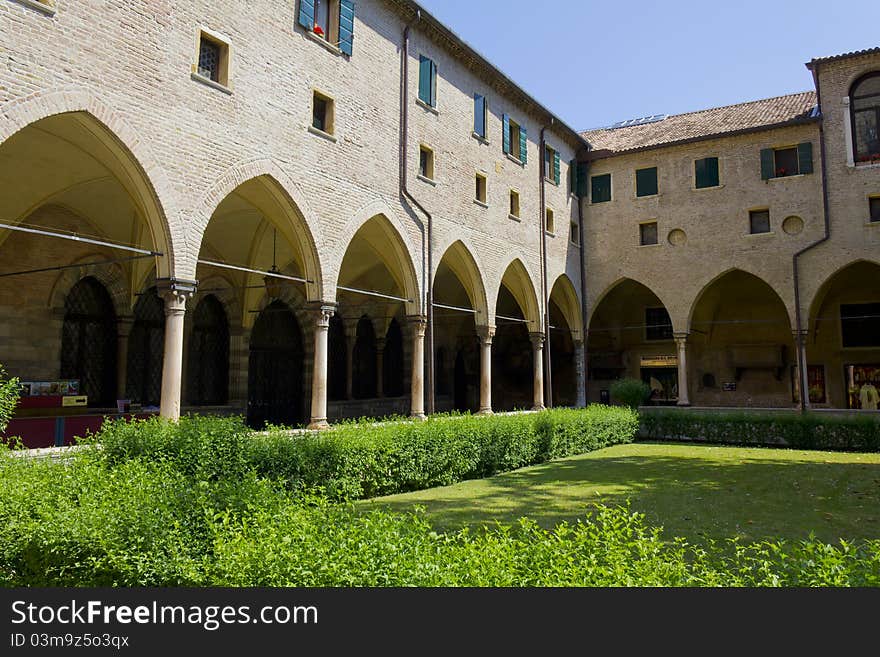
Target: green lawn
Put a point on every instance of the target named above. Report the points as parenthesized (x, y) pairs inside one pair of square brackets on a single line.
[(693, 491)]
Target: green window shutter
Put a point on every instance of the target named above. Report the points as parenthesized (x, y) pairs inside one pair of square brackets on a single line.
[(646, 182), (557, 168), (582, 170), (426, 68), (572, 176), (706, 171), (601, 190), (767, 164), (805, 157), (505, 123), (307, 14), (479, 115), (523, 142), (346, 26)]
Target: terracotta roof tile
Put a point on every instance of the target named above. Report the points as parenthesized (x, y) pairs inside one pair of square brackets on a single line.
[(717, 121), (846, 55)]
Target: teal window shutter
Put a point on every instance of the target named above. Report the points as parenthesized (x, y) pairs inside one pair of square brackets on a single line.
[(767, 164), (346, 26), (646, 182), (523, 142), (601, 188), (805, 157), (706, 172), (582, 173), (572, 176), (479, 115), (505, 122), (426, 81), (307, 14), (557, 169)]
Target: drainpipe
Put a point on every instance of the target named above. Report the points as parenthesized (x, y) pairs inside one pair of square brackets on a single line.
[(583, 270), (545, 293), (801, 346), (429, 227)]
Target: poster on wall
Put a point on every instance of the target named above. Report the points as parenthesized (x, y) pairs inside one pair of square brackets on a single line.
[(863, 386), (815, 383)]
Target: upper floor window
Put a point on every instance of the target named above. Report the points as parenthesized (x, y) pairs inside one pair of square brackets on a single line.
[(646, 182), (323, 113), (600, 188), (331, 20), (788, 161), (481, 112), (874, 209), (515, 139), (706, 173), (759, 222), (426, 162), (427, 81), (865, 107), (552, 165), (212, 63)]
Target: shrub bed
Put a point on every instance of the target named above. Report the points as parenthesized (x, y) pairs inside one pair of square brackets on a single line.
[(794, 430), (361, 460)]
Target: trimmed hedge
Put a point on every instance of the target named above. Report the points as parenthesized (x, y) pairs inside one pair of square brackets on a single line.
[(362, 460), (793, 430)]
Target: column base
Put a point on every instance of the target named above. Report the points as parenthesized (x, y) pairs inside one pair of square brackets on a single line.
[(418, 417), (684, 404), (539, 408), (486, 411), (318, 425)]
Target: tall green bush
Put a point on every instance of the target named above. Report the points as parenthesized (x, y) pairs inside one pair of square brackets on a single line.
[(630, 392), (8, 398)]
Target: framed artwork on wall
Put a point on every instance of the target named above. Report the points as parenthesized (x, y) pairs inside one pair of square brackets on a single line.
[(815, 381)]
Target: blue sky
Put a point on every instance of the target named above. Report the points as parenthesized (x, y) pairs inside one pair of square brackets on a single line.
[(595, 63)]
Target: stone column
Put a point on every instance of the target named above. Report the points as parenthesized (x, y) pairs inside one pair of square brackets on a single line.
[(681, 340), (123, 331), (580, 374), (538, 369), (319, 372), (175, 293), (802, 384), (419, 325), (486, 333), (380, 367)]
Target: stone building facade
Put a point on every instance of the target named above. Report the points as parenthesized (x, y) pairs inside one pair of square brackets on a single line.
[(302, 210)]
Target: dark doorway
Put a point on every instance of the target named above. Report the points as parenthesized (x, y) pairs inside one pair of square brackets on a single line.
[(337, 367), (364, 381), (392, 364), (146, 346), (208, 366), (461, 383), (275, 369), (88, 342)]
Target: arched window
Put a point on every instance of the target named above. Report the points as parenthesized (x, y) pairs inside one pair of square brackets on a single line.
[(208, 366), (337, 366), (364, 366), (865, 107), (88, 341), (392, 365), (145, 350)]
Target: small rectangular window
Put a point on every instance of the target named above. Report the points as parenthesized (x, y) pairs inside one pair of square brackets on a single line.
[(860, 324), (549, 221), (786, 162), (874, 207), (759, 221), (515, 139), (658, 325), (427, 81), (426, 162), (648, 233), (480, 195), (549, 156), (514, 204), (600, 188), (646, 182), (574, 234), (480, 115), (212, 54), (706, 173), (323, 113)]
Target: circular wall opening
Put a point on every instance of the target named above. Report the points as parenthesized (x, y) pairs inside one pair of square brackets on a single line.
[(677, 237), (793, 225)]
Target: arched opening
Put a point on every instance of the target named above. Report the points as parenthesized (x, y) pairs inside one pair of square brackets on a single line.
[(275, 368), (376, 287), (512, 352), (392, 369), (258, 239), (565, 324), (741, 344), (337, 367), (843, 344), (460, 303), (630, 336), (208, 363), (62, 176), (365, 360), (146, 346), (88, 341), (864, 104)]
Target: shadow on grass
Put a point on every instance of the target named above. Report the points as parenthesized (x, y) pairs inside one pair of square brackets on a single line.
[(745, 493)]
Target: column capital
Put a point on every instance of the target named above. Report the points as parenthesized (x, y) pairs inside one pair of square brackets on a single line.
[(578, 343), (800, 336), (418, 323), (537, 339), (322, 311), (380, 345), (124, 324), (681, 336), (175, 292), (486, 333)]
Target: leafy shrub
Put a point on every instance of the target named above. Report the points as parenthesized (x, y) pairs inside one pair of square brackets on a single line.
[(794, 430), (8, 398), (362, 459), (630, 392)]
